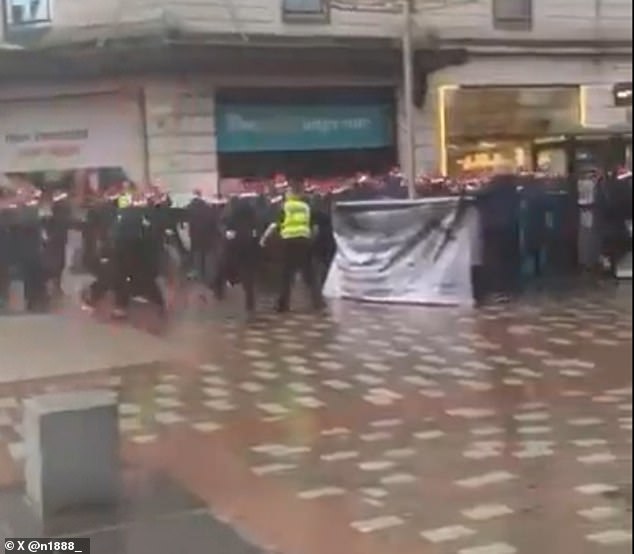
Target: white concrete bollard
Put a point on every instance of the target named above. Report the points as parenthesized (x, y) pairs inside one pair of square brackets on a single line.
[(71, 450)]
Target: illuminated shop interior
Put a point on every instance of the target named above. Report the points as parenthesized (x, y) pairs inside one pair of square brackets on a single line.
[(483, 129)]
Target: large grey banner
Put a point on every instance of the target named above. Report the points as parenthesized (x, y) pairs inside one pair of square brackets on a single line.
[(404, 251)]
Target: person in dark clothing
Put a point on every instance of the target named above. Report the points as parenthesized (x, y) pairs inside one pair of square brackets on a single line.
[(136, 253), (324, 246), (614, 206), (29, 252), (102, 266), (200, 219), (90, 232), (239, 253), (6, 218), (104, 274), (534, 211), (153, 242), (56, 225), (499, 208)]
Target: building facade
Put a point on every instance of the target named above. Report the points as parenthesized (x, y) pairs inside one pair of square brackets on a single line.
[(189, 91)]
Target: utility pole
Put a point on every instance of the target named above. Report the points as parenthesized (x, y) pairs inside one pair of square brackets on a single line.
[(408, 99)]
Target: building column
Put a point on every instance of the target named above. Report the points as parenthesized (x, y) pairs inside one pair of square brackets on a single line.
[(425, 130), (180, 135)]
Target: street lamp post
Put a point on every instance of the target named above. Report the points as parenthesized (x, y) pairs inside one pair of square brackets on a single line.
[(408, 99)]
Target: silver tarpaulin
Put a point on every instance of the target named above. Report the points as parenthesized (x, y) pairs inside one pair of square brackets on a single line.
[(418, 252)]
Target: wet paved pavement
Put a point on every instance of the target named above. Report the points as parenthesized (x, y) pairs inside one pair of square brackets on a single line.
[(376, 430)]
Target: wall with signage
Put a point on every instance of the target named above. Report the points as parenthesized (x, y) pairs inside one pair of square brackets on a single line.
[(81, 132), (277, 128)]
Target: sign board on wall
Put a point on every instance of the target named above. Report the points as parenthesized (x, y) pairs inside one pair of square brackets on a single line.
[(258, 128), (83, 132), (622, 93)]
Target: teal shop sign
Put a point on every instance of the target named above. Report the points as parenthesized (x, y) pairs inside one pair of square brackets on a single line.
[(250, 128)]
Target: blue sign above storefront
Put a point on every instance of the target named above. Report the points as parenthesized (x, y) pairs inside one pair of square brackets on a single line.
[(252, 128)]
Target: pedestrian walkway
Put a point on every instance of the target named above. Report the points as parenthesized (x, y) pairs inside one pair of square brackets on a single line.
[(46, 346), (380, 430)]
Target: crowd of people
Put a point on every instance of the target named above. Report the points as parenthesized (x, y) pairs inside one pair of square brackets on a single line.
[(131, 237), (33, 238)]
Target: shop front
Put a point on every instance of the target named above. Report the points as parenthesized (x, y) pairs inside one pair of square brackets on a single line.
[(100, 134), (317, 134), (490, 128)]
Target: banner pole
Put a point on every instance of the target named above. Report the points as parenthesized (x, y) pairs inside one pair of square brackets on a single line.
[(408, 98)]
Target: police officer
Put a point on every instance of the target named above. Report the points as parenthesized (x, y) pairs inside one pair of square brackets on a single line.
[(295, 227)]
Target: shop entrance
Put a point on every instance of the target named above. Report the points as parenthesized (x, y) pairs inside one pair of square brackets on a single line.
[(318, 164)]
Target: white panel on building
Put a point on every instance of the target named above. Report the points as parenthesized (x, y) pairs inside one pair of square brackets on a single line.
[(78, 132)]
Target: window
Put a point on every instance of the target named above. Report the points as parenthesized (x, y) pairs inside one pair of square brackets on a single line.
[(27, 13), (305, 10), (513, 14), (485, 128)]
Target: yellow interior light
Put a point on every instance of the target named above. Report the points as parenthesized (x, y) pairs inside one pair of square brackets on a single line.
[(442, 126), (583, 105)]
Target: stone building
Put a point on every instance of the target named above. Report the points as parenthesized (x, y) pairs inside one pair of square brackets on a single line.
[(190, 91)]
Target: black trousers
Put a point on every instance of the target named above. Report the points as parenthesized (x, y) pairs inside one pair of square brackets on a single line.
[(55, 262), (134, 275), (297, 257), (237, 263), (104, 282), (199, 262), (34, 280), (4, 281), (502, 260)]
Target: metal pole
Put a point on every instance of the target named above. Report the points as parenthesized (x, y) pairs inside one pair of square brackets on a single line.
[(408, 98)]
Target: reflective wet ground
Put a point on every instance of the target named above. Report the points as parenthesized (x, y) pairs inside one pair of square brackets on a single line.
[(368, 430)]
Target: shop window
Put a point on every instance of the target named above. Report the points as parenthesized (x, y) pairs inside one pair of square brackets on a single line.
[(305, 10), (491, 128), (513, 14), (27, 13)]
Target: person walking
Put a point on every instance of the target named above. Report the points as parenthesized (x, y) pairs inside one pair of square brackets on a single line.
[(295, 227), (137, 245), (7, 218), (199, 217), (29, 246), (238, 259)]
